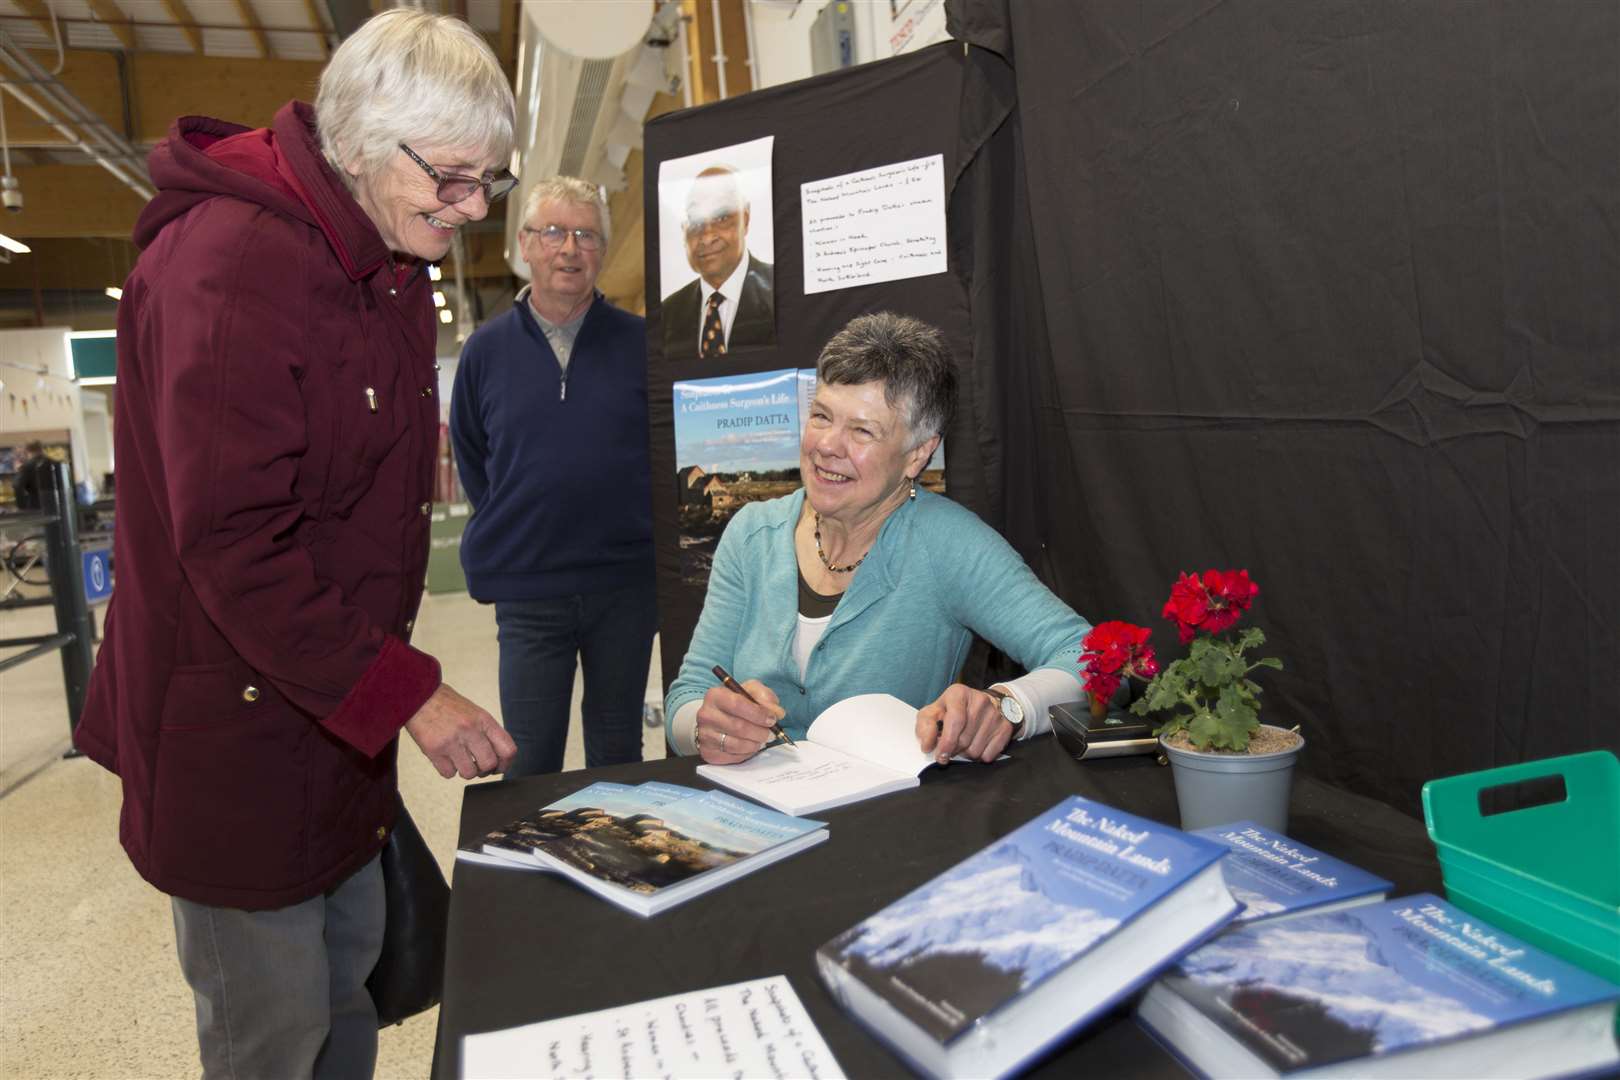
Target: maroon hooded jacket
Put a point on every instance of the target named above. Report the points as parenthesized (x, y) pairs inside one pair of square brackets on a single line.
[(276, 424)]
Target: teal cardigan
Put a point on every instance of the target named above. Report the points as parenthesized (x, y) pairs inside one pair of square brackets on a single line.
[(936, 576)]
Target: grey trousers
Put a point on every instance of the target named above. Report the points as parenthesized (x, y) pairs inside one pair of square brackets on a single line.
[(282, 994)]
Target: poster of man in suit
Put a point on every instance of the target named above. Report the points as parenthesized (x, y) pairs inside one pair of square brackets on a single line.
[(717, 273)]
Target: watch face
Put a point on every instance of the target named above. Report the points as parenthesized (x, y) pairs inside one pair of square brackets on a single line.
[(1013, 711)]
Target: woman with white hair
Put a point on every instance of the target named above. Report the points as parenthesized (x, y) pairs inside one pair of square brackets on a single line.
[(277, 427)]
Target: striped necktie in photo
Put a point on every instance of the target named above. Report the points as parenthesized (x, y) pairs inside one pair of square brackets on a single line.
[(714, 338)]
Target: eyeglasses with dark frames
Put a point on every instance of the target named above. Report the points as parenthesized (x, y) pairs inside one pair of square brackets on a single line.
[(454, 189), (554, 236)]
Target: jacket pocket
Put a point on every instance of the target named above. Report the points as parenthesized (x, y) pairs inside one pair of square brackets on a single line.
[(229, 784)]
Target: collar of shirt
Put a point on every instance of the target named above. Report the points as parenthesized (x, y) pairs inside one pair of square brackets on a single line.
[(546, 325), (561, 336), (731, 289)]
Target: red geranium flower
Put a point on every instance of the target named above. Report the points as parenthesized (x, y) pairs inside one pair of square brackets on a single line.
[(1212, 602), (1188, 605), (1230, 594), (1208, 695), (1112, 651)]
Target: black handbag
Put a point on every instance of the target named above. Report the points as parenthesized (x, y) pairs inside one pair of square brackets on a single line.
[(409, 976)]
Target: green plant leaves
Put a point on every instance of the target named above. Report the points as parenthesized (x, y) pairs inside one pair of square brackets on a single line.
[(1209, 691)]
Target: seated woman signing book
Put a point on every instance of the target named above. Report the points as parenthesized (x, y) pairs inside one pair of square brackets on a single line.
[(859, 583)]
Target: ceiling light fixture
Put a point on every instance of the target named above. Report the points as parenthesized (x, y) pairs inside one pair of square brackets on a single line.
[(14, 245), (114, 291)]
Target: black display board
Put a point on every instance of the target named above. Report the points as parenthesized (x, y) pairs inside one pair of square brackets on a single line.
[(941, 100), (1332, 292)]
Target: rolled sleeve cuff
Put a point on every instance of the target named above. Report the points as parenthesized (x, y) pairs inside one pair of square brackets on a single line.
[(683, 727), (1037, 692), (390, 692)]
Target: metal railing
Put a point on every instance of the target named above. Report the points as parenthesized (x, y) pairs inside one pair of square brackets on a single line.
[(75, 632)]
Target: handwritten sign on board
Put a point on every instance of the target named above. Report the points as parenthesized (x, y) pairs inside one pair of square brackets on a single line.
[(879, 224), (749, 1029)]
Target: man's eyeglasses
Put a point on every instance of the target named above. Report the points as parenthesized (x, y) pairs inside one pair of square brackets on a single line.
[(454, 189), (554, 236), (719, 222)]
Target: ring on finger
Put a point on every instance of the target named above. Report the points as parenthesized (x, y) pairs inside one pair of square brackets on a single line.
[(723, 742)]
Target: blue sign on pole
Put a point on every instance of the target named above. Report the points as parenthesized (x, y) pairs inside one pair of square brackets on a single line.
[(97, 574)]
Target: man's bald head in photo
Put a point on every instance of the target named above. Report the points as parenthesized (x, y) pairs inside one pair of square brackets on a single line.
[(716, 224)]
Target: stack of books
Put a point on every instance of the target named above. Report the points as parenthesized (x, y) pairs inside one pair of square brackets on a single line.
[(1274, 877), (1003, 956), (1271, 959), (648, 847), (1404, 988)]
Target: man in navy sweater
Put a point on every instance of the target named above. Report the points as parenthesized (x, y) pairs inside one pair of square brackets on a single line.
[(549, 423)]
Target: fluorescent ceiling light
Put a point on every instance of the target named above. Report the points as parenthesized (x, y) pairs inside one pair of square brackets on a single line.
[(98, 380), (14, 245), (445, 316), (114, 291), (438, 299), (434, 272), (92, 333)]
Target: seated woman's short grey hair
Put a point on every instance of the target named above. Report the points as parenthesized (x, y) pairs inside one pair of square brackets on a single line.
[(415, 77), (908, 356)]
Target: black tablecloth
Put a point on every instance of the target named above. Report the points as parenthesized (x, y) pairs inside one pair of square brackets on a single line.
[(528, 946)]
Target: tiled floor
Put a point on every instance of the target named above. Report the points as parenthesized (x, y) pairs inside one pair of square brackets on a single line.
[(89, 983)]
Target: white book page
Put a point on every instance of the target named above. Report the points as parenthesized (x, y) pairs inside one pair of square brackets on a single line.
[(757, 1028), (879, 728), (795, 778)]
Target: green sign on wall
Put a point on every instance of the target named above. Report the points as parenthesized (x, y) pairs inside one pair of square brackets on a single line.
[(94, 357)]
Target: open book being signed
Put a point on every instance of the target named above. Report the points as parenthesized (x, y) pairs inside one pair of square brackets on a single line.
[(861, 747)]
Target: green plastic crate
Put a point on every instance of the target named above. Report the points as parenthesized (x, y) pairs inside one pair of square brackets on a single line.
[(1549, 874)]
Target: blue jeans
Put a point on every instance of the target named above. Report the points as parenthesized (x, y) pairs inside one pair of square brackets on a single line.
[(612, 634)]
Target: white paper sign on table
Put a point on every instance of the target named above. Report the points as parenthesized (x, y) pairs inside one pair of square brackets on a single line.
[(879, 224), (749, 1029)]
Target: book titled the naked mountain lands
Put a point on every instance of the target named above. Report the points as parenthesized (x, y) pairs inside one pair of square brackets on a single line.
[(650, 847), (1274, 877), (1407, 988), (1007, 953)]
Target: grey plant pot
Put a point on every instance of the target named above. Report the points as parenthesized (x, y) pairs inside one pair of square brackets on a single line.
[(1218, 789)]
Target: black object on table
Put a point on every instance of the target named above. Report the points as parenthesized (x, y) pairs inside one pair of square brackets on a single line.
[(528, 946)]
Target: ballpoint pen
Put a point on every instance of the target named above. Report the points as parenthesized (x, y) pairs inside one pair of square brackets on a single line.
[(736, 688)]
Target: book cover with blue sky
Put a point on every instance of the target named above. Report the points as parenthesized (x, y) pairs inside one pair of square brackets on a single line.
[(722, 820), (1272, 875), (650, 837), (658, 788), (739, 423), (1372, 980), (997, 924)]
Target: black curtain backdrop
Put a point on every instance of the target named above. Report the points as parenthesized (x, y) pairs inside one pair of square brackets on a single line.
[(1329, 291), (943, 100)]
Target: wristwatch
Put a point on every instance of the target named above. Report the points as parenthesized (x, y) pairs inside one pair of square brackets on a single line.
[(1011, 710)]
